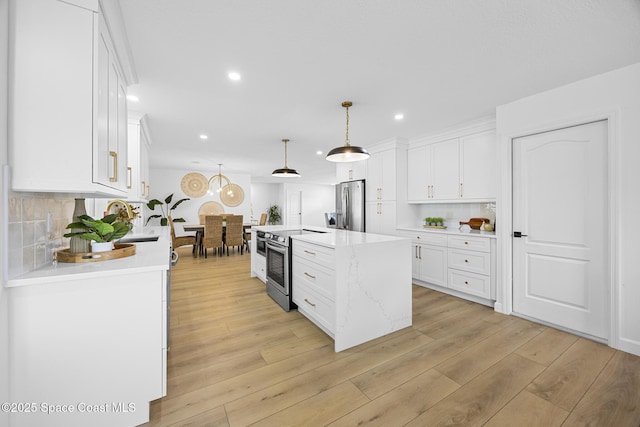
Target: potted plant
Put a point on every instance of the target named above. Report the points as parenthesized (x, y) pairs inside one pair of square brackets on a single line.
[(102, 232), (427, 220), (439, 221), (274, 214), (165, 209)]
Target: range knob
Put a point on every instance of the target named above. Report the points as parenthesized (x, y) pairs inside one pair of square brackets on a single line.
[(281, 239)]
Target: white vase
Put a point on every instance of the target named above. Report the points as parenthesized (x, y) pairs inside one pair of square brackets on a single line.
[(101, 246)]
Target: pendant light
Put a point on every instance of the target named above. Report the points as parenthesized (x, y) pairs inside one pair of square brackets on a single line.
[(285, 172), (348, 152), (219, 177)]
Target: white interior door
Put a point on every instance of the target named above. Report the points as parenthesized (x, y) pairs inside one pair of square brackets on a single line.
[(294, 207), (560, 267)]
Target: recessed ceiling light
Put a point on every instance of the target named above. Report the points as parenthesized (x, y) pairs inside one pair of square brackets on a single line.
[(399, 116), (319, 153), (234, 76), (133, 98), (203, 136), (195, 162)]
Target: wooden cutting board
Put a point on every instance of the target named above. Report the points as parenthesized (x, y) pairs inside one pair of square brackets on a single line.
[(475, 223)]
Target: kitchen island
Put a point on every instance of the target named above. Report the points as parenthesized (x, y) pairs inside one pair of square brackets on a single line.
[(354, 286), (88, 341)]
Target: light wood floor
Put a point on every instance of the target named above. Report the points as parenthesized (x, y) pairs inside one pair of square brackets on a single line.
[(238, 359)]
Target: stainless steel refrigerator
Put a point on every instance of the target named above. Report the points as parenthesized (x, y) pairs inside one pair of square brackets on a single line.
[(350, 206)]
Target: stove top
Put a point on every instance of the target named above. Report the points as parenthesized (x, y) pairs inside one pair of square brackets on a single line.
[(282, 236)]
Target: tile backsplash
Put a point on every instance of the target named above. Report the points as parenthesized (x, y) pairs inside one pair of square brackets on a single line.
[(36, 225)]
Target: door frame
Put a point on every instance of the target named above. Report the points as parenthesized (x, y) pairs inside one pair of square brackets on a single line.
[(504, 205)]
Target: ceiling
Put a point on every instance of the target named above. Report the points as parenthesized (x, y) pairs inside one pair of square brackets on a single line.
[(440, 63)]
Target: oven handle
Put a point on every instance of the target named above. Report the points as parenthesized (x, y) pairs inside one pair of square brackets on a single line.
[(277, 248)]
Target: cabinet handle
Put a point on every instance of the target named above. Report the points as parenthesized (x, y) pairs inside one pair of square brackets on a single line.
[(466, 260), (148, 191), (466, 283), (309, 275), (416, 257), (129, 178), (350, 173), (466, 243), (144, 188), (461, 190), (309, 302), (114, 178), (309, 252), (420, 252)]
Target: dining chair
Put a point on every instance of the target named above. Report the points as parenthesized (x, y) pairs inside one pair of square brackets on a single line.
[(234, 234), (213, 234), (177, 241), (263, 218)]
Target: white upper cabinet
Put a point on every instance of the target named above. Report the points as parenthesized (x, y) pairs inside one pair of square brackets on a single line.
[(68, 101), (138, 170), (478, 166), (381, 175), (349, 171), (455, 169)]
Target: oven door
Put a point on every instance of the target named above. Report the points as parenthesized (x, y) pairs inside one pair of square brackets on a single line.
[(278, 267), (261, 243)]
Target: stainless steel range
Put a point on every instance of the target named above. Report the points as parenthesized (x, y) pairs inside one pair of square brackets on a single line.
[(278, 256)]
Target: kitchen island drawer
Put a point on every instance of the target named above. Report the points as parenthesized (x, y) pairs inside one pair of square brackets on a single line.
[(471, 283), (482, 244), (472, 261), (315, 307), (314, 275), (316, 253)]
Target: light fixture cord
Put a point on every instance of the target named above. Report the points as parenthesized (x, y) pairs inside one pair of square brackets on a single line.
[(285, 155), (346, 138)]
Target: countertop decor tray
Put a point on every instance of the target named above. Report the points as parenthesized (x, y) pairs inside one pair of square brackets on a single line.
[(441, 227), (121, 250)]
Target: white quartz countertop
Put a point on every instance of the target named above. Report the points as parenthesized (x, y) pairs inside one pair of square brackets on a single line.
[(454, 231), (339, 238), (149, 256)]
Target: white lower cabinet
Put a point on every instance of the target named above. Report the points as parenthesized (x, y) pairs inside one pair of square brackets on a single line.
[(462, 264), (313, 272)]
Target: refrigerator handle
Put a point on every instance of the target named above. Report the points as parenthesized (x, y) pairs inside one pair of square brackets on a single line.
[(347, 208)]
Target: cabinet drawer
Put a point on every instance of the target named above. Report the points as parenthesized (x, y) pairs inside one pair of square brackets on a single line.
[(320, 254), (317, 277), (475, 262), (316, 307), (472, 243), (470, 283), (431, 239)]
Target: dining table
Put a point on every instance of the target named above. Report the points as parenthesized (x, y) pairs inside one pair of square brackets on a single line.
[(199, 229)]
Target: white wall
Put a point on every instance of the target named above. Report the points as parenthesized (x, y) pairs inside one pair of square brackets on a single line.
[(316, 200), (264, 195), (167, 181), (615, 96), (4, 309)]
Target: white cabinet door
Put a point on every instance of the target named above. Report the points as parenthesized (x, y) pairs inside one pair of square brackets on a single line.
[(138, 154), (433, 264), (350, 171), (478, 166), (444, 166), (381, 176), (418, 178), (381, 217)]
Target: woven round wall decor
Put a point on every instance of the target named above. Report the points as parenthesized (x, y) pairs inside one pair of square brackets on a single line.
[(232, 200), (194, 184)]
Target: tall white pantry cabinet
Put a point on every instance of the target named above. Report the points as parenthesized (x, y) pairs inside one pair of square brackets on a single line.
[(67, 97)]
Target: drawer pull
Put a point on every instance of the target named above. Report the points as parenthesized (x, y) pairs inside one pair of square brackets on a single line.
[(466, 243), (309, 275), (310, 303), (466, 260), (309, 252), (466, 283)]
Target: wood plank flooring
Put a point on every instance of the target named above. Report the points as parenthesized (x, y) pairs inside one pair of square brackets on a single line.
[(238, 359)]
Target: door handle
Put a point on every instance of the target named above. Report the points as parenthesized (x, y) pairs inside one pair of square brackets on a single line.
[(519, 234)]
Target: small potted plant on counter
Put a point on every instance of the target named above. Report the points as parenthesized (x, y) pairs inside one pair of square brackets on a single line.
[(102, 232)]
